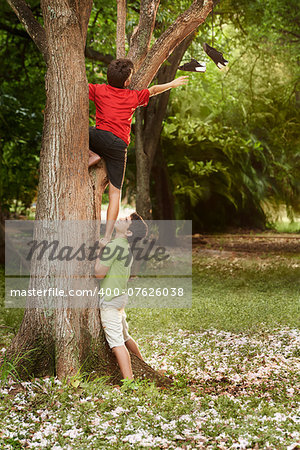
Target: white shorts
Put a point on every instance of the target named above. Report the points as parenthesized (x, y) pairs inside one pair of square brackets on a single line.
[(113, 319)]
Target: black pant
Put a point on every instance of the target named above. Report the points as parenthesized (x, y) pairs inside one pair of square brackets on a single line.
[(114, 151)]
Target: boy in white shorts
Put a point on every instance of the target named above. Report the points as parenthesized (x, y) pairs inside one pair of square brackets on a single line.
[(114, 268)]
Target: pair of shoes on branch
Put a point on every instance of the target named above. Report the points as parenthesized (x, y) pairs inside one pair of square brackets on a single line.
[(193, 66), (216, 56)]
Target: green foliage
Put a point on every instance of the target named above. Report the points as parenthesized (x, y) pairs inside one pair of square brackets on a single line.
[(21, 136), (8, 370), (231, 137), (22, 100), (287, 227), (9, 367), (102, 38)]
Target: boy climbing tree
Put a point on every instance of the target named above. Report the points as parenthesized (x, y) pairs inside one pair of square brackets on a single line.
[(115, 106)]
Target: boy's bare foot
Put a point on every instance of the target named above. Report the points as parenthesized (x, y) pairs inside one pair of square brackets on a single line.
[(93, 158)]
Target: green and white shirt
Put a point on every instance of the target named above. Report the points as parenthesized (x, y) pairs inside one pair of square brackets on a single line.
[(118, 257)]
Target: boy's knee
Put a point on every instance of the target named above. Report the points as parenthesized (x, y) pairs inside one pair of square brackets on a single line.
[(113, 189), (118, 348), (116, 194)]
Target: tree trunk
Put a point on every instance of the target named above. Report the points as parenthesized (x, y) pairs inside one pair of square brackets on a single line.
[(163, 204), (148, 62), (121, 27), (164, 200), (63, 340), (143, 201), (185, 24)]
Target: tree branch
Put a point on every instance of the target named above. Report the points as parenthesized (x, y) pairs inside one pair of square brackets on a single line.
[(287, 32), (185, 24), (89, 52), (121, 25), (141, 36), (97, 56), (83, 10), (14, 31), (32, 26)]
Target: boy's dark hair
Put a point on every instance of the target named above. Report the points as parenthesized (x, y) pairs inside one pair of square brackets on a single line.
[(138, 227), (118, 71)]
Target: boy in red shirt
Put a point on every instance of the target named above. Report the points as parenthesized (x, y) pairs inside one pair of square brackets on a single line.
[(115, 106)]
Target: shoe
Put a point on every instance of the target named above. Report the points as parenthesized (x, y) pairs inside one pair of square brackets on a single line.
[(216, 56), (193, 66), (93, 158)]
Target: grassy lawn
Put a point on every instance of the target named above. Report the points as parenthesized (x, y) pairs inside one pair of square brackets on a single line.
[(233, 356), (237, 294)]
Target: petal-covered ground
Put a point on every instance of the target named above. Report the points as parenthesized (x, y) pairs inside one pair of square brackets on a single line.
[(234, 359), (230, 391)]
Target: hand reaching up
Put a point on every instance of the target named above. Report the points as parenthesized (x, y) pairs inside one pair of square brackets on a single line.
[(180, 81)]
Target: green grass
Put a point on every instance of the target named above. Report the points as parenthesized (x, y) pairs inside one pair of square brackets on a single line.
[(237, 296), (10, 318)]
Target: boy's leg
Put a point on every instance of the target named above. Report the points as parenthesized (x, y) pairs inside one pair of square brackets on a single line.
[(111, 319), (133, 347), (114, 152), (123, 359), (114, 196), (93, 158), (129, 342)]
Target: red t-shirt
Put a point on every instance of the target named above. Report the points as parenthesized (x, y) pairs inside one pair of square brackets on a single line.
[(115, 107)]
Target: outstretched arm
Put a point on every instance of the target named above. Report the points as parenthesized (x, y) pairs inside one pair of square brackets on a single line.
[(159, 88)]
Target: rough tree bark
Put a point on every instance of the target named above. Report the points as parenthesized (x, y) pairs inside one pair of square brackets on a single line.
[(63, 340), (141, 36), (121, 25), (60, 341)]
